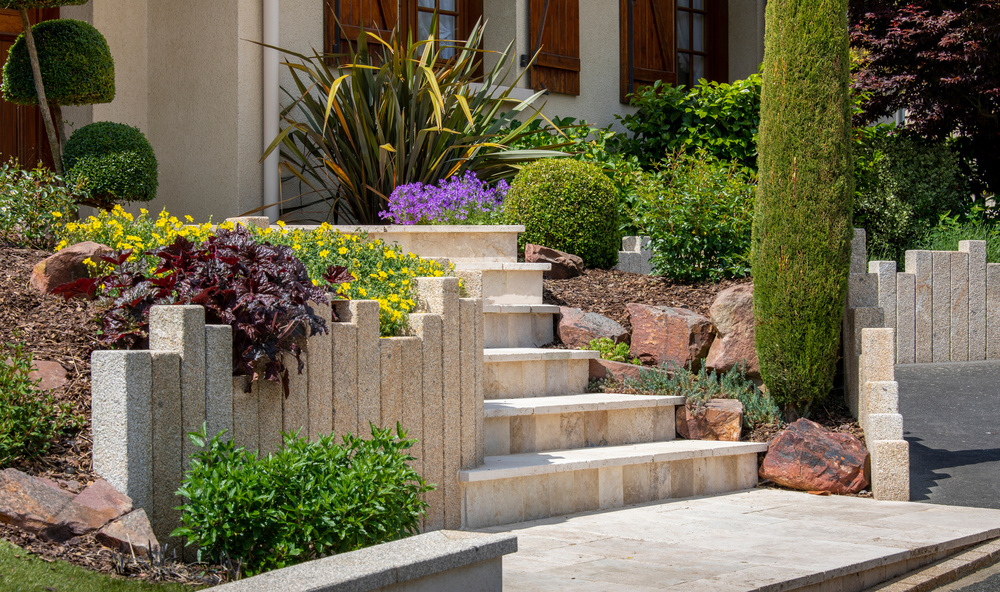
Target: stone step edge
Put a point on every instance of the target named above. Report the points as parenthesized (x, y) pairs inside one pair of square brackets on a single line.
[(467, 265), (950, 569), (526, 308), (580, 403), (528, 464), (500, 355)]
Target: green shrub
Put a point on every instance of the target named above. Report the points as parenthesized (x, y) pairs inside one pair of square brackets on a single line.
[(720, 118), (802, 226), (29, 420), (698, 212), (698, 388), (75, 62), (952, 229), (113, 162), (309, 500), (566, 205), (614, 352), (904, 183), (32, 205)]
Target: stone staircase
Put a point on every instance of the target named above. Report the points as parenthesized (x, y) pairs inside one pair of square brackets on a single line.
[(554, 449)]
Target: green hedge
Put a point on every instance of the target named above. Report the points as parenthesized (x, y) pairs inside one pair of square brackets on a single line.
[(75, 62), (113, 162)]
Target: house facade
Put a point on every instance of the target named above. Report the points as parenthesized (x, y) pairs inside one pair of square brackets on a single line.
[(190, 74)]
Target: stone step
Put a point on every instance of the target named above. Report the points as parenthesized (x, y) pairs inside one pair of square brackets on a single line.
[(517, 372), (519, 325), (575, 421), (518, 487), (503, 283)]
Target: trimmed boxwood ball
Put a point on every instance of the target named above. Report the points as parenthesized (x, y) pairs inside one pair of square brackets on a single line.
[(567, 205), (115, 159), (75, 61)]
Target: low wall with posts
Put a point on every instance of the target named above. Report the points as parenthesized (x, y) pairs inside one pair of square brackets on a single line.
[(145, 402), (944, 307)]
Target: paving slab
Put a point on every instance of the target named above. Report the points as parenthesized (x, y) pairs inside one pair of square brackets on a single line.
[(761, 539)]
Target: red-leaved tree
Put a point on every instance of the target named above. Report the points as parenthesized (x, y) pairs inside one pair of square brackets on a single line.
[(940, 60)]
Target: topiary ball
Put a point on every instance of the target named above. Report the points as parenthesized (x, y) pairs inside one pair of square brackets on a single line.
[(75, 61), (115, 162), (567, 205), (29, 4)]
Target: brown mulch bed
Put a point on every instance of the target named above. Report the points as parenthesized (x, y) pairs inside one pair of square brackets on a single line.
[(607, 293)]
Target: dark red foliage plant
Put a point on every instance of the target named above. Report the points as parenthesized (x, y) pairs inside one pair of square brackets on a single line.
[(938, 59), (261, 290)]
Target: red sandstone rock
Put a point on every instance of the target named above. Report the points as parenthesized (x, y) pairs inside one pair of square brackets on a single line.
[(35, 506), (564, 265), (809, 457), (719, 419), (65, 266), (103, 498), (129, 533), (51, 374), (601, 369), (732, 315), (576, 328), (663, 334)]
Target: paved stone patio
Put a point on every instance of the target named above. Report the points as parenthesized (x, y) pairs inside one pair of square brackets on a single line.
[(765, 539)]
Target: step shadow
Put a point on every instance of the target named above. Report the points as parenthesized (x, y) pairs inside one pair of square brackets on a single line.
[(929, 466)]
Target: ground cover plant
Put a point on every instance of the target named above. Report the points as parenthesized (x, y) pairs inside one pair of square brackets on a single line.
[(32, 205), (308, 500), (615, 352), (29, 420), (456, 200)]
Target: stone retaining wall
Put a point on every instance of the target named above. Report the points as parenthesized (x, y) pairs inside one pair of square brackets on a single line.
[(144, 402)]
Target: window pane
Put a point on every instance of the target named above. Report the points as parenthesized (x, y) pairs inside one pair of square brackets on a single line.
[(424, 24), (699, 68), (426, 3), (447, 4), (446, 26), (699, 32), (683, 68), (699, 4), (683, 30), (684, 3)]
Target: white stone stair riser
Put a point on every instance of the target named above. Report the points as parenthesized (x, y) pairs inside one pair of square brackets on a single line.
[(510, 326), (524, 372)]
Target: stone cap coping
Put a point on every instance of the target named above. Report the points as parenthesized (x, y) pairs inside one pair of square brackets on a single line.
[(575, 404), (382, 565), (520, 309), (557, 461), (480, 265), (417, 228), (536, 354)]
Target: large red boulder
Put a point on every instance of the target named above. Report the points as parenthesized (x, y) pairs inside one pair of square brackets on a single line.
[(718, 419), (809, 457), (130, 534), (732, 315), (620, 371), (102, 497), (564, 265), (35, 506), (576, 329), (663, 334), (66, 266)]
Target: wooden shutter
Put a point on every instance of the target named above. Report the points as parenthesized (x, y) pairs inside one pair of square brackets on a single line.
[(555, 28), (345, 19), (649, 54)]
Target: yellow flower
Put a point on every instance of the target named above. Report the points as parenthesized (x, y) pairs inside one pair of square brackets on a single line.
[(342, 250), (324, 253), (345, 286), (142, 211), (315, 282), (56, 214), (189, 219), (362, 292), (280, 223), (297, 247)]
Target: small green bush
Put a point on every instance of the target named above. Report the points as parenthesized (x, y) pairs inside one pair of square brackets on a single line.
[(720, 118), (566, 205), (75, 62), (309, 500), (113, 162), (903, 184), (698, 211), (29, 420), (952, 229), (611, 351), (32, 205), (758, 407)]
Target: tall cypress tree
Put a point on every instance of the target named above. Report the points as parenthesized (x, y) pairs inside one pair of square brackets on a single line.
[(802, 224)]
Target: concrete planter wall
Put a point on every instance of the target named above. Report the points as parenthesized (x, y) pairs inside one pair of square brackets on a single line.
[(144, 402), (945, 307)]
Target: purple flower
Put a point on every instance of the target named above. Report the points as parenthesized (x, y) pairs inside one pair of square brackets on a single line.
[(455, 200)]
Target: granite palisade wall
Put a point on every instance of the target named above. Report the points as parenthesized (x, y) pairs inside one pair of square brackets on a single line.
[(430, 381)]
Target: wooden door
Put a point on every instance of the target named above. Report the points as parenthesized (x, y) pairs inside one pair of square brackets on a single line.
[(22, 133)]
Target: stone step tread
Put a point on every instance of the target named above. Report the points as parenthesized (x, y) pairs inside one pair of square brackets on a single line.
[(574, 404), (555, 461), (473, 265), (520, 309), (536, 354)]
